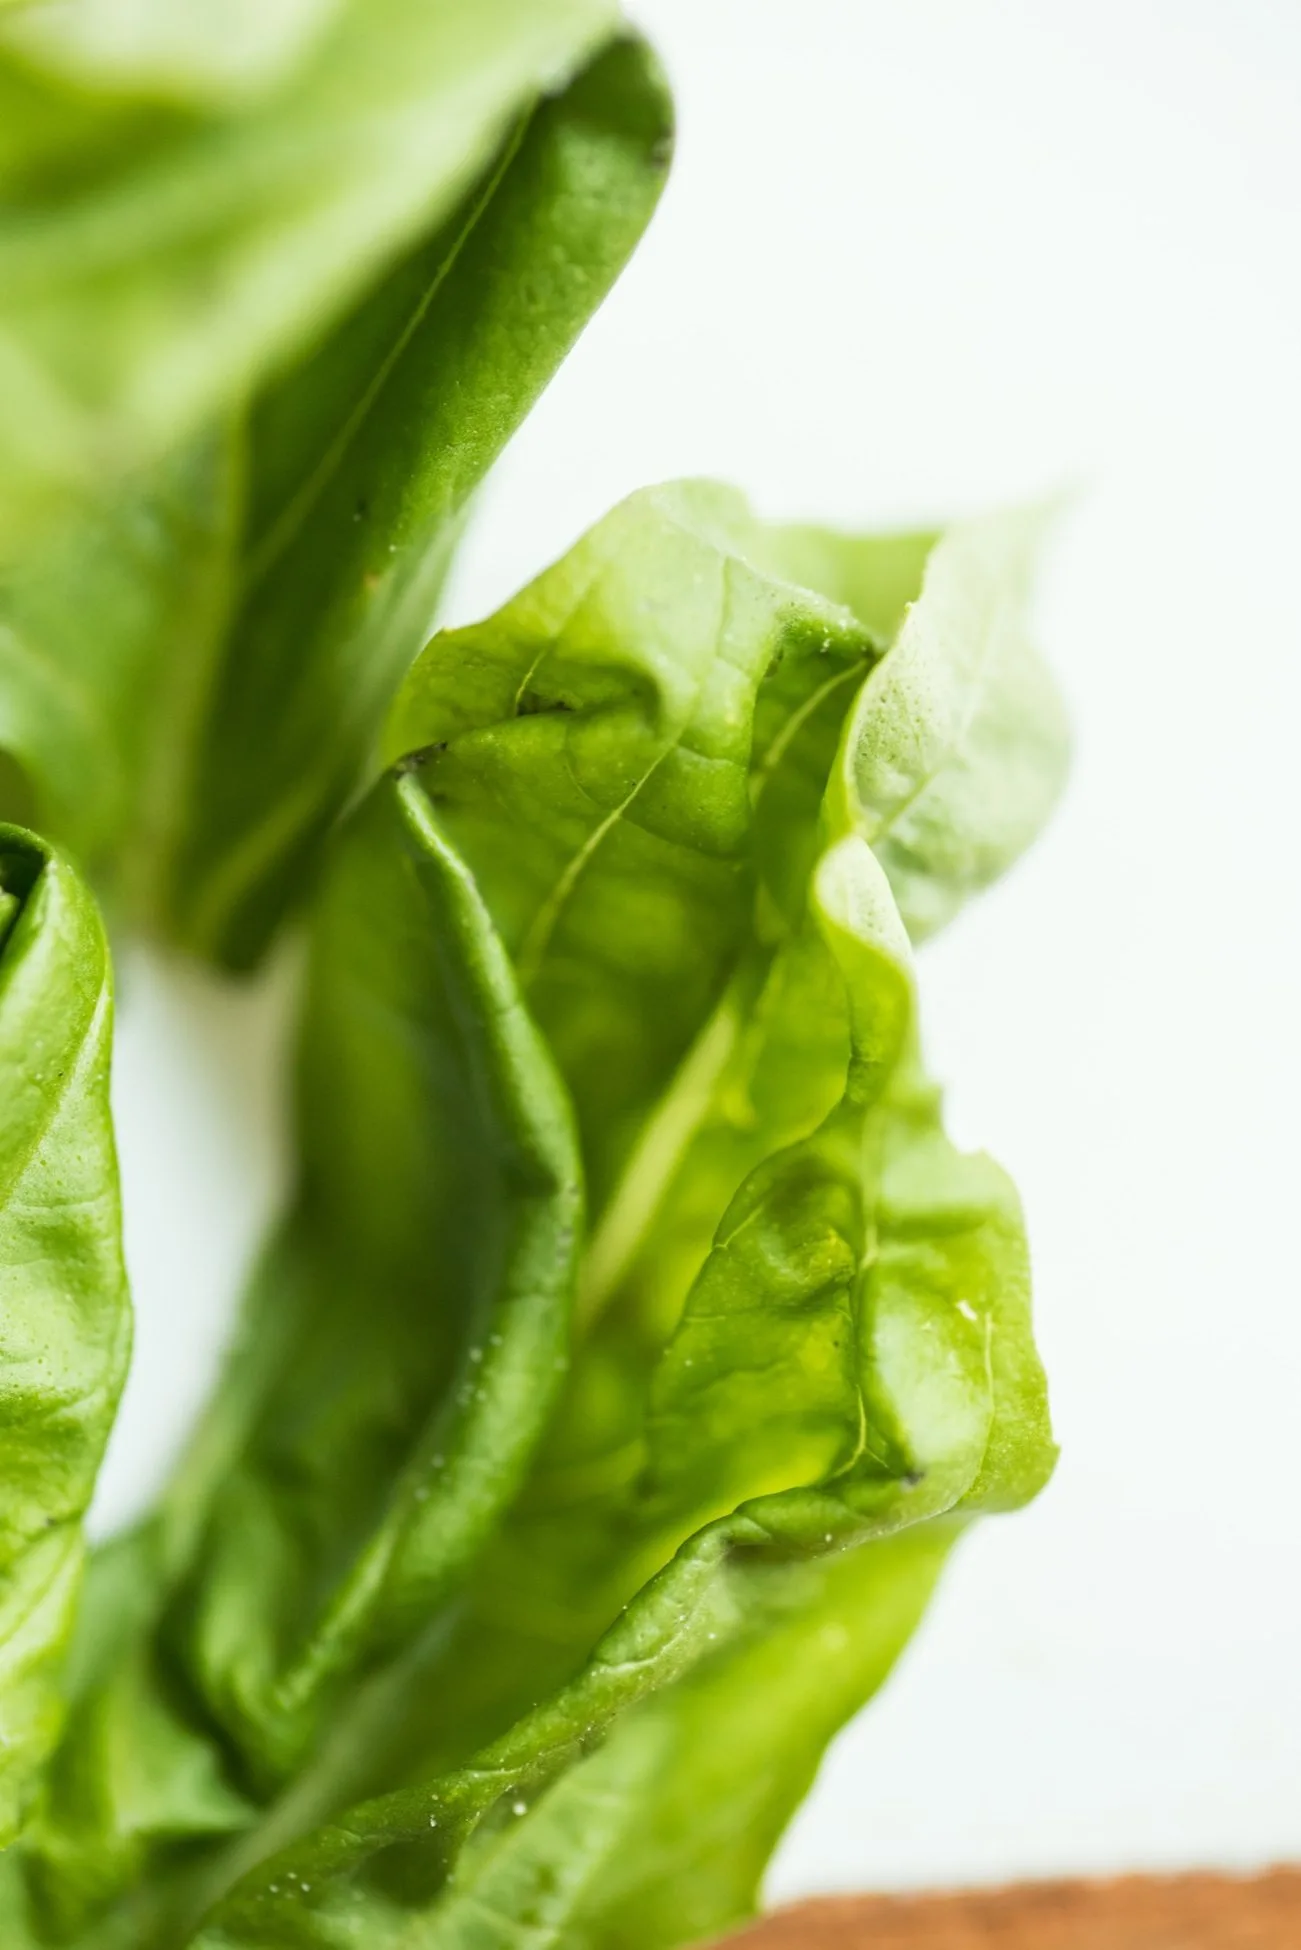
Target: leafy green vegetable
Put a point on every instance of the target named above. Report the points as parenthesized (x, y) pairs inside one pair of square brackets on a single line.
[(132, 1778), (66, 1325), (109, 627), (636, 1345), (804, 1353), (606, 751), (402, 1347), (440, 1206), (959, 748), (258, 585), (365, 462), (469, 1560), (147, 283), (852, 1364)]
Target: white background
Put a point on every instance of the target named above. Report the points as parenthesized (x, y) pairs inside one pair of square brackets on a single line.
[(920, 257)]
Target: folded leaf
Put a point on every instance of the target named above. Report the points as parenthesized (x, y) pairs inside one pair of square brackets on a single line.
[(658, 1836), (959, 746), (412, 1320), (362, 463), (655, 1832), (194, 663), (630, 828), (605, 752), (148, 287), (832, 1385), (65, 1326), (719, 1779), (402, 1346)]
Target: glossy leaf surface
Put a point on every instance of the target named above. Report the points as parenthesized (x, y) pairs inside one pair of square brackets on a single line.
[(485, 1622), (780, 1437), (65, 1319), (410, 1324), (852, 1369)]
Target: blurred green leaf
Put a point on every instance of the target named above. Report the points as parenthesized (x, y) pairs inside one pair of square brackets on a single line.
[(146, 292), (194, 664)]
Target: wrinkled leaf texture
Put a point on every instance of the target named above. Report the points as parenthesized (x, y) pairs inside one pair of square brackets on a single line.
[(768, 1447), (659, 816)]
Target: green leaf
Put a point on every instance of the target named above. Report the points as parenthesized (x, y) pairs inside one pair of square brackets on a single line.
[(402, 1346), (542, 1837), (193, 664), (66, 1319), (363, 462), (144, 293), (959, 746), (715, 1781), (130, 1769), (179, 50), (654, 1836), (803, 1359), (853, 1363), (412, 1322), (110, 628), (620, 753)]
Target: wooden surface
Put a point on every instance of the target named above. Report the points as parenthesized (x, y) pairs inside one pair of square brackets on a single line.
[(1196, 1912)]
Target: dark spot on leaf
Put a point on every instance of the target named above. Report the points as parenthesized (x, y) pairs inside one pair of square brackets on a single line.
[(532, 706), (414, 761)]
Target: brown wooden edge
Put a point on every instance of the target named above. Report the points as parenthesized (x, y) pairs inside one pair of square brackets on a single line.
[(1185, 1912)]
